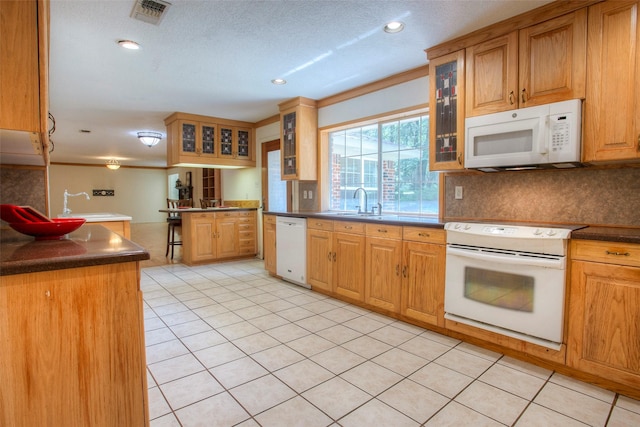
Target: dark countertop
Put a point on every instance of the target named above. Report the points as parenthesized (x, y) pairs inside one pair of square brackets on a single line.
[(421, 221), (89, 245), (579, 232), (609, 234)]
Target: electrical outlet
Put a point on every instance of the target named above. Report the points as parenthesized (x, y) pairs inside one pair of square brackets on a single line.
[(458, 194), (310, 194)]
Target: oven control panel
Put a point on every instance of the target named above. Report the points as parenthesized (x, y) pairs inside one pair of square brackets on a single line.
[(513, 231)]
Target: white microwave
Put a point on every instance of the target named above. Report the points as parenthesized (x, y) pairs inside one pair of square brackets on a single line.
[(527, 138)]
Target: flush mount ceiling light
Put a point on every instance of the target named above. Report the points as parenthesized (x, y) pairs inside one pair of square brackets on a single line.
[(394, 27), (149, 138), (279, 81), (113, 164), (128, 44)]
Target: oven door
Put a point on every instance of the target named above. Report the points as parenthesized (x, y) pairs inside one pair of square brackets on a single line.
[(513, 293)]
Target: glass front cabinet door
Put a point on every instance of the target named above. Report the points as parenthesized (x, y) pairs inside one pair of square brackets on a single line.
[(446, 134), (299, 139)]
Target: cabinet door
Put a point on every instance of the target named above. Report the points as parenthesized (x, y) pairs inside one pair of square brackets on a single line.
[(319, 259), (288, 146), (269, 246), (612, 107), (604, 321), (423, 282), (203, 247), (208, 138), (492, 76), (348, 265), (19, 63), (244, 151), (226, 141), (188, 137), (552, 64), (446, 130), (226, 236), (382, 274)]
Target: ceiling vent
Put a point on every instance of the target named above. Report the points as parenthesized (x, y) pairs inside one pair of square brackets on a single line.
[(150, 11)]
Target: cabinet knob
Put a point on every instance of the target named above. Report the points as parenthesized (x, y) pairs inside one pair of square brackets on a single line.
[(512, 98), (616, 253), (524, 96), (381, 230)]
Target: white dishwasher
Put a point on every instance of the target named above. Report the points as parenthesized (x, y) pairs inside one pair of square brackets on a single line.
[(291, 249)]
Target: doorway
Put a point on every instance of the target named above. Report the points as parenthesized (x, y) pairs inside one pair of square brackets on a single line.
[(275, 192)]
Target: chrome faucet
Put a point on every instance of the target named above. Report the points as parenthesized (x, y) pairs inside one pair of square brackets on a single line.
[(355, 194), (66, 210)]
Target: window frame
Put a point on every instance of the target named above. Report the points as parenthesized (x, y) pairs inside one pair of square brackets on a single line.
[(325, 161)]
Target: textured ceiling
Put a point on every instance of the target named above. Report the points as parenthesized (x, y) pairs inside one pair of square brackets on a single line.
[(217, 58)]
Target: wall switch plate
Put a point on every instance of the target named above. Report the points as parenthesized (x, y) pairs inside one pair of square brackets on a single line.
[(310, 194), (458, 192), (304, 194), (104, 192)]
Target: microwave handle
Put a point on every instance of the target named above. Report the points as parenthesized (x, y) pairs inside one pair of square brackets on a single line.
[(543, 142)]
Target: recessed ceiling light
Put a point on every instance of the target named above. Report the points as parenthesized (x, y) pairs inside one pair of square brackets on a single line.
[(394, 27), (279, 81), (128, 44)]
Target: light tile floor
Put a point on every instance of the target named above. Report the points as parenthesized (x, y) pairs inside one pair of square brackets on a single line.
[(229, 345)]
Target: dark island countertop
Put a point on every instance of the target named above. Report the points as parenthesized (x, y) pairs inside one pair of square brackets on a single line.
[(87, 246)]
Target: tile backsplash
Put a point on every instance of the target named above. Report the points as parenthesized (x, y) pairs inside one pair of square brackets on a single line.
[(592, 196)]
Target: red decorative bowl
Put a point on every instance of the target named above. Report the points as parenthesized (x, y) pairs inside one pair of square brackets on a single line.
[(48, 230)]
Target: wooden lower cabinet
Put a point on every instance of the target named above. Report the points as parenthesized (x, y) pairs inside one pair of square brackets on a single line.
[(269, 243), (382, 267), (604, 320), (72, 350), (423, 282), (423, 274), (209, 236), (319, 255), (348, 271), (247, 233), (226, 236)]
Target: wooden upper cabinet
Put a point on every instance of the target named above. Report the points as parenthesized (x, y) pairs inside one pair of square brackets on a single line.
[(446, 100), (24, 71), (552, 64), (536, 65), (492, 75), (299, 139), (612, 106), (194, 140)]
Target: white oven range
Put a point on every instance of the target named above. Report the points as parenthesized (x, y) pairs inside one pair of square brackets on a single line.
[(508, 279)]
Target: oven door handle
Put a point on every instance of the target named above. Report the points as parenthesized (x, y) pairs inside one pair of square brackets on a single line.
[(548, 261)]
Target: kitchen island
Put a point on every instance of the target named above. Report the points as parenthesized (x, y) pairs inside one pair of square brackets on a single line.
[(213, 234), (71, 322), (115, 222)]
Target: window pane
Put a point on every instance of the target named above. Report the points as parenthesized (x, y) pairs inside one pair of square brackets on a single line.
[(390, 161)]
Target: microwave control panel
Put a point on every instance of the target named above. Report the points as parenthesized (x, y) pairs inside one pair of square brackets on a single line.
[(560, 132)]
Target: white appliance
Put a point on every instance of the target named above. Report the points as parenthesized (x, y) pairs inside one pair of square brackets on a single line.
[(507, 279), (527, 138), (291, 249)]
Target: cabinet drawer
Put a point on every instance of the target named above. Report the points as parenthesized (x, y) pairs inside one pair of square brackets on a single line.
[(424, 234), (320, 224), (227, 214), (245, 220), (247, 234), (384, 230), (608, 252), (246, 214), (269, 219), (246, 227), (349, 227), (246, 250)]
